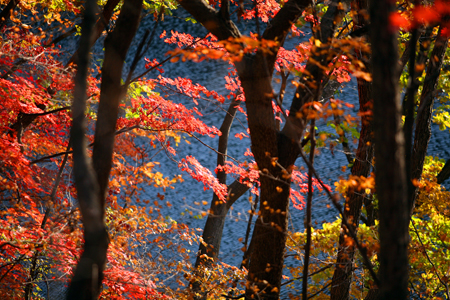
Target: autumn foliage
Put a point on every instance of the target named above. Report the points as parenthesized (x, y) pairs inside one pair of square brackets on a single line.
[(150, 253)]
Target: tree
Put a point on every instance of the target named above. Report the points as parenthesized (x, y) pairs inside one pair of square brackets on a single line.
[(92, 181), (36, 131), (43, 234)]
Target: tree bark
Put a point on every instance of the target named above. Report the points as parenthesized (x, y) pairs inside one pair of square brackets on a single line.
[(101, 24), (268, 145), (87, 277), (266, 263), (212, 234), (116, 48), (390, 172), (342, 277), (91, 182), (423, 121), (444, 174)]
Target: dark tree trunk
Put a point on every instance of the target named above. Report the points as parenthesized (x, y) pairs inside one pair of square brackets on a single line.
[(116, 48), (91, 182), (266, 262), (424, 114), (101, 24), (255, 72), (390, 172), (445, 172), (342, 277), (212, 233), (89, 272)]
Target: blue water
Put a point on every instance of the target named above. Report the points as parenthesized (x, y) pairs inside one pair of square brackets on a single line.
[(211, 75)]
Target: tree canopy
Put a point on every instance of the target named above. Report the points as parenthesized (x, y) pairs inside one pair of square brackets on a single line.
[(85, 202)]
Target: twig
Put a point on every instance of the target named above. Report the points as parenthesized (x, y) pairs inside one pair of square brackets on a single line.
[(321, 290), (430, 261), (308, 213), (164, 61), (312, 274), (352, 233), (140, 52)]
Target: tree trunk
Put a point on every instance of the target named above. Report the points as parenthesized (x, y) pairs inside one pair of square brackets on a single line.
[(212, 233), (91, 183), (88, 275), (268, 146), (424, 114), (390, 172), (102, 22), (266, 262), (342, 277)]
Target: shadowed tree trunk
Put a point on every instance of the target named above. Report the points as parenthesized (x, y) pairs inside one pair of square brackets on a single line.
[(212, 233), (92, 179), (101, 24), (445, 173), (423, 122), (389, 154), (342, 277), (268, 144), (424, 113)]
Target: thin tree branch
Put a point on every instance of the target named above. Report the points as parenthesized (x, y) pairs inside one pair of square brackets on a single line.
[(334, 200), (307, 221), (165, 60), (430, 261)]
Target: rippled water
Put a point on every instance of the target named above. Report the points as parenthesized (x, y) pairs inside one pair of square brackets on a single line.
[(211, 74)]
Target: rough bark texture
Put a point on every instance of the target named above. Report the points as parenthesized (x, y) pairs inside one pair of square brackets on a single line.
[(91, 183), (389, 154), (266, 263), (342, 277), (255, 72)]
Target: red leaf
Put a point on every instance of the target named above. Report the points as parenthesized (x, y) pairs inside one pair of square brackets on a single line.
[(426, 15), (398, 20)]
